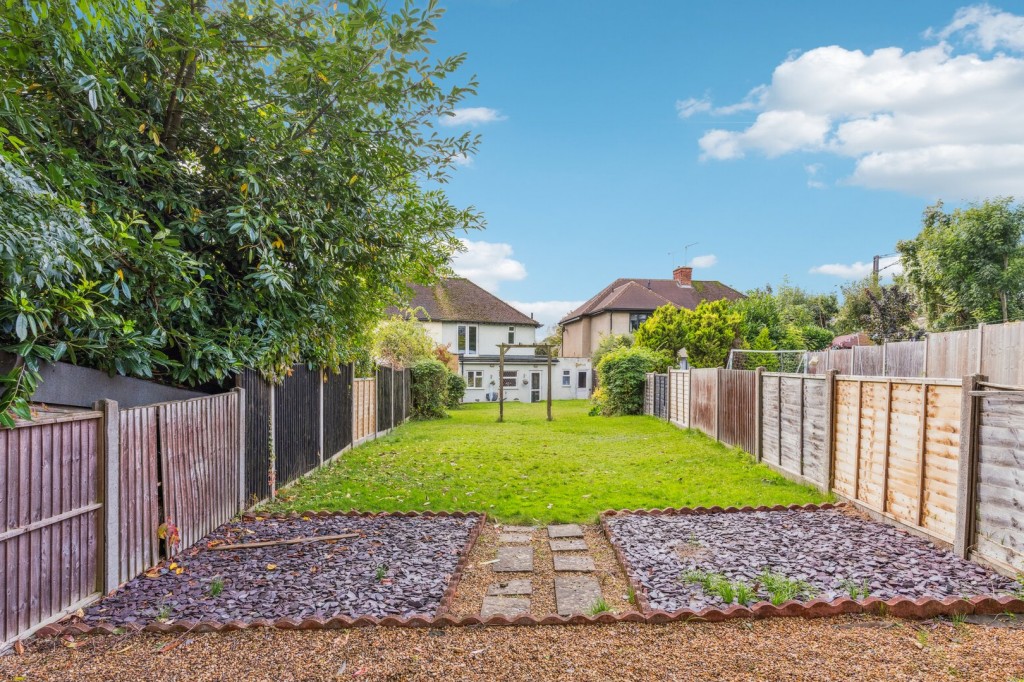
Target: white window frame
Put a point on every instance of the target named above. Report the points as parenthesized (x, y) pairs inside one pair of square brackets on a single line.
[(462, 333), (475, 378), (511, 333), (567, 378)]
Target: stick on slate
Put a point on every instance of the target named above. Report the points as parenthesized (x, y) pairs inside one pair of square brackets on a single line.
[(292, 541)]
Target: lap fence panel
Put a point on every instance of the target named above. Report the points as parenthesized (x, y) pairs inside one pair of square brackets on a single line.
[(737, 408), (139, 491), (704, 400), (679, 397), (998, 528)]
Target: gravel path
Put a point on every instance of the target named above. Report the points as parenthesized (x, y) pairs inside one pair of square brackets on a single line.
[(790, 649), (397, 566), (831, 550)]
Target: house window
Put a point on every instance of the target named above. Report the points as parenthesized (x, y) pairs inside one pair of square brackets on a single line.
[(475, 379), (511, 334), (510, 379), (637, 319), (467, 339), (566, 377)]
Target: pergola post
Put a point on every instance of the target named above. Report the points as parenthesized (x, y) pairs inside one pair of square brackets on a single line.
[(501, 382)]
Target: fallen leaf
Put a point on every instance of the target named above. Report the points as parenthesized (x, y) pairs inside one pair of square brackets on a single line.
[(167, 647), (19, 648), (271, 567)]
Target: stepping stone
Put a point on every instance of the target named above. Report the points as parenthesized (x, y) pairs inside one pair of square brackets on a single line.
[(504, 606), (513, 538), (577, 594), (514, 560), (512, 588), (518, 529), (568, 545), (569, 530), (573, 563)]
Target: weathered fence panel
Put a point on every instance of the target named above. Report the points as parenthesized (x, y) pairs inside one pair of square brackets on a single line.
[(737, 408), (139, 504), (679, 397), (999, 502), (649, 394), (364, 408), (199, 448), (868, 360), (904, 359), (896, 448), (51, 517), (704, 401), (1002, 353), (385, 399), (297, 424), (952, 354), (337, 411), (794, 426)]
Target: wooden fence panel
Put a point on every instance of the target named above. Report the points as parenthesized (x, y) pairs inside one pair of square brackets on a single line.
[(385, 403), (904, 359), (1002, 353), (297, 424), (941, 454), (259, 406), (704, 400), (200, 459), (790, 424), (952, 354), (794, 419), (648, 408), (771, 431), (846, 445), (660, 397), (998, 526), (868, 361), (399, 408), (841, 360), (364, 408), (50, 520), (679, 397), (139, 514), (737, 407), (337, 411)]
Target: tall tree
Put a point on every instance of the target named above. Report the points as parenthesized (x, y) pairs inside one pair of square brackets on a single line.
[(708, 332), (968, 266), (195, 187)]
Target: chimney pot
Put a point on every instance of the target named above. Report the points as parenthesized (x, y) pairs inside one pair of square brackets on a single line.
[(683, 275)]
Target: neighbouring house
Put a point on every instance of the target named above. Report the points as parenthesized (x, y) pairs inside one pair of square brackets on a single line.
[(622, 306), (472, 322)]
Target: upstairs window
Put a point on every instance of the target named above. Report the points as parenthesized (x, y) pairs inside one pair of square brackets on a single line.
[(467, 339), (637, 319), (511, 334)]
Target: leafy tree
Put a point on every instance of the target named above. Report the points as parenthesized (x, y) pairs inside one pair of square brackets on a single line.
[(816, 338), (555, 339), (622, 373), (795, 318), (886, 312), (856, 309), (399, 341), (192, 188), (967, 266), (763, 341), (708, 332), (609, 343)]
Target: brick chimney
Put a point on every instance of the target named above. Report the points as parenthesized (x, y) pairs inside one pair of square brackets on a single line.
[(683, 275)]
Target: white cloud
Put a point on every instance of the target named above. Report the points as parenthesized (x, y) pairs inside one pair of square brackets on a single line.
[(888, 267), (488, 264), (704, 261), (986, 27), (462, 160), (812, 175), (547, 313), (932, 122), (472, 116), (688, 107)]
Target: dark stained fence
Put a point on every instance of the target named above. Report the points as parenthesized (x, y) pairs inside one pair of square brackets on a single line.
[(704, 400), (737, 408), (139, 517), (200, 448), (50, 520), (403, 384), (337, 411), (385, 402), (259, 399), (660, 397), (297, 424)]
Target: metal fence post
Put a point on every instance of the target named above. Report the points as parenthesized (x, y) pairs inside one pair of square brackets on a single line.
[(108, 574), (966, 466)]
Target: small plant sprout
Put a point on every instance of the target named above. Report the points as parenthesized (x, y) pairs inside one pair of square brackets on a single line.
[(600, 606), (382, 572), (631, 595), (164, 612), (216, 586), (781, 589), (862, 591), (959, 620), (693, 541), (745, 594), (922, 638)]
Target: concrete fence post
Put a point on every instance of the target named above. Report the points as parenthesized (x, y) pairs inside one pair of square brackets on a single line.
[(320, 399), (718, 404), (830, 429), (109, 460), (967, 467), (240, 392), (758, 412)]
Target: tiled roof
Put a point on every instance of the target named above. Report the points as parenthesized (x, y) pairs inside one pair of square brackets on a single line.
[(638, 294), (456, 299)]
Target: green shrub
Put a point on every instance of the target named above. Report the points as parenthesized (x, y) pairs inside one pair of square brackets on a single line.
[(622, 375), (429, 389), (456, 390), (609, 343)]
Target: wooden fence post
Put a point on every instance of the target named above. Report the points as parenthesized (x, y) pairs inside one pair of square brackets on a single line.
[(830, 428), (108, 573), (966, 467), (240, 392), (981, 348), (718, 404), (758, 412)]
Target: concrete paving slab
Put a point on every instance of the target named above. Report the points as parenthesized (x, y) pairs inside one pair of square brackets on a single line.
[(573, 545), (514, 560), (504, 606), (517, 529), (576, 594), (573, 563), (568, 530), (513, 538), (510, 588)]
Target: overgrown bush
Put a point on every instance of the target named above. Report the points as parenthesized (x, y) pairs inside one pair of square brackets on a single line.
[(429, 389), (609, 343), (456, 390), (401, 341), (621, 374)]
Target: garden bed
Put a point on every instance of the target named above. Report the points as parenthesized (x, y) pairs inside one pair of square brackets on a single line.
[(693, 561), (393, 566)]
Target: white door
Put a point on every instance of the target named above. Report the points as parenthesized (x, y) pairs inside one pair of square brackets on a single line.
[(534, 387), (582, 380)]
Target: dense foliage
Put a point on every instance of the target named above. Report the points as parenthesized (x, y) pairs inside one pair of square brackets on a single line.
[(794, 318), (193, 188), (607, 344), (399, 341), (429, 389), (455, 390), (707, 333), (967, 266), (622, 373)]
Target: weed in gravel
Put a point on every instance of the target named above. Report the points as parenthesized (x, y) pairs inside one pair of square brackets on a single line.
[(745, 594), (856, 591), (718, 585), (693, 541), (1019, 591), (781, 589), (631, 595), (922, 638), (600, 606), (382, 572), (216, 586), (164, 612)]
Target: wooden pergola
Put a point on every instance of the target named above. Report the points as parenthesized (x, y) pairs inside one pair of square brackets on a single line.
[(502, 347)]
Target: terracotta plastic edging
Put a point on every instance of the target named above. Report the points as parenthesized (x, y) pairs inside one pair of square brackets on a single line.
[(902, 607)]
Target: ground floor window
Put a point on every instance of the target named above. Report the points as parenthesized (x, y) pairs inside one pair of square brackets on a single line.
[(475, 379), (566, 377), (510, 378)]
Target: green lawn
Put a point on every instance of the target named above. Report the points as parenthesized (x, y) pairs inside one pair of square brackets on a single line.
[(530, 470)]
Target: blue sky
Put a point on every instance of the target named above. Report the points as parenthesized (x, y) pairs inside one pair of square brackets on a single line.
[(781, 137)]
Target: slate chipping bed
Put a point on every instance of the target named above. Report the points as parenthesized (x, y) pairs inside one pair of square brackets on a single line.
[(397, 567), (822, 547)]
